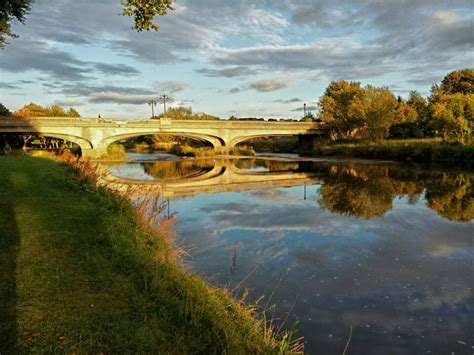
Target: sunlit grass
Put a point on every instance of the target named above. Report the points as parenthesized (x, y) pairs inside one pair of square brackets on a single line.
[(84, 271)]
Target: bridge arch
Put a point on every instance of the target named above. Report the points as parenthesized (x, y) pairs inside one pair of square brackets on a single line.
[(213, 140), (83, 143), (240, 139)]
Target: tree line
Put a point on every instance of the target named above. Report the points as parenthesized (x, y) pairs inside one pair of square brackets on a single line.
[(353, 111), (34, 110)]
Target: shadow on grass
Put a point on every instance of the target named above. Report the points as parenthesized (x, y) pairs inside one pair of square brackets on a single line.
[(9, 247)]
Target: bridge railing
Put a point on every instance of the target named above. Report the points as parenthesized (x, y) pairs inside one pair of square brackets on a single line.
[(166, 122)]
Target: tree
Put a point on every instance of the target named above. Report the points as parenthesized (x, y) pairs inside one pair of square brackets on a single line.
[(460, 81), (11, 10), (340, 107), (453, 117), (4, 112), (380, 105), (56, 111), (72, 113), (144, 11), (186, 113), (34, 110)]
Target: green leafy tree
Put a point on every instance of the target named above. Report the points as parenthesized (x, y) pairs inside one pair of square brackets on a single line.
[(418, 103), (340, 107), (72, 113), (4, 112), (56, 111), (460, 81), (11, 10), (380, 105), (144, 11), (453, 117), (186, 113)]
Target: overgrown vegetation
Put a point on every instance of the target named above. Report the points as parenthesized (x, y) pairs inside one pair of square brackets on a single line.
[(75, 278)]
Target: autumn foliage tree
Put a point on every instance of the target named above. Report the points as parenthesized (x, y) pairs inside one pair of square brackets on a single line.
[(34, 110)]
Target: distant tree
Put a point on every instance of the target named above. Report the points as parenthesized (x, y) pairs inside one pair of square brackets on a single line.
[(11, 10), (34, 110), (4, 112), (308, 118), (340, 107), (419, 103), (186, 113), (31, 110), (406, 122), (460, 81), (56, 111), (144, 11), (72, 113)]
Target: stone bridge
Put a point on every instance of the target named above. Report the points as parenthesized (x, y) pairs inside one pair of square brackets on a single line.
[(95, 135)]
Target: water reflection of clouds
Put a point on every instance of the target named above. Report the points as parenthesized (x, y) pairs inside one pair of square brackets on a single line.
[(393, 277)]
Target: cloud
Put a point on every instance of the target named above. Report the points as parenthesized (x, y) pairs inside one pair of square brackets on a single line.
[(31, 55), (114, 69), (269, 84), (228, 72), (118, 98), (308, 108), (170, 86), (288, 101), (69, 103), (233, 91)]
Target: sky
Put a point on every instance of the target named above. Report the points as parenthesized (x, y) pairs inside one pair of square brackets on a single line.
[(230, 57)]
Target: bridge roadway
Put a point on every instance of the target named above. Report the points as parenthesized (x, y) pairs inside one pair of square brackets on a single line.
[(95, 135), (224, 177)]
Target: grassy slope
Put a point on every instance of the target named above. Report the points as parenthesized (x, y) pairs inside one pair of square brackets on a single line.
[(77, 275)]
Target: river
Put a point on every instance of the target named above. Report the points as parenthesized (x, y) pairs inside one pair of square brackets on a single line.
[(384, 249)]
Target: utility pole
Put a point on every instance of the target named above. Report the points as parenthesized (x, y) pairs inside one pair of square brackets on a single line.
[(152, 103), (164, 97)]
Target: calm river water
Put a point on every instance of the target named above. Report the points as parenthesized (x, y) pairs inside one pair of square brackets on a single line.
[(384, 248)]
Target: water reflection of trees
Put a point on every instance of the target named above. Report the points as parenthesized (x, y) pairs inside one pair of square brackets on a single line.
[(368, 191), (268, 165), (176, 169)]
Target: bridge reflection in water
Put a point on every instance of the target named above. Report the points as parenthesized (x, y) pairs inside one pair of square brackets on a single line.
[(193, 177), (352, 189)]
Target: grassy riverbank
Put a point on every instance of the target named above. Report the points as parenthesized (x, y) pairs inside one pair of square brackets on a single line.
[(79, 273), (416, 150)]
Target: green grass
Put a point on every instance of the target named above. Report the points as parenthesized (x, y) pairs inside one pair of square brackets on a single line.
[(79, 274), (416, 150)]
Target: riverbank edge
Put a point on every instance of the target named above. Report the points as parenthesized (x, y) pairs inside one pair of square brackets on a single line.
[(403, 151), (142, 300)]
